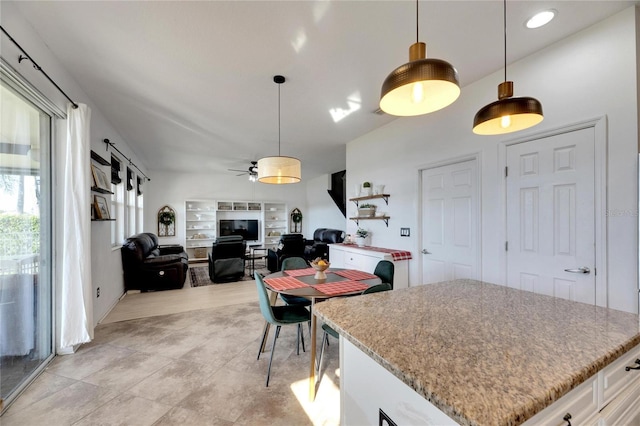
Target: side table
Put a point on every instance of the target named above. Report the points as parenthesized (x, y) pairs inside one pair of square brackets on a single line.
[(256, 253)]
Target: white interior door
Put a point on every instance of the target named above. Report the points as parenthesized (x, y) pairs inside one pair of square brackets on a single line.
[(450, 222), (551, 214)]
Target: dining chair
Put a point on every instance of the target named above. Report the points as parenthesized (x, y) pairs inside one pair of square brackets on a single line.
[(294, 263), (328, 331), (279, 316), (384, 270)]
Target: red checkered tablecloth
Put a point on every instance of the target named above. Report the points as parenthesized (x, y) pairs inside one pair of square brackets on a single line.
[(300, 272), (340, 287), (284, 283), (355, 275), (395, 254)]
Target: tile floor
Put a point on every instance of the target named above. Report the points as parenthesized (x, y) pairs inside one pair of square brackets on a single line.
[(190, 368)]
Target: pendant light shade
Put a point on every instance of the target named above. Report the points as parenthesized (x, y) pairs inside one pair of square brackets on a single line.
[(507, 114), (279, 170), (421, 85)]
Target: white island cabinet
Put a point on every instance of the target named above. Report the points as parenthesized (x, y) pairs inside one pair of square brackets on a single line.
[(474, 353), (350, 256)]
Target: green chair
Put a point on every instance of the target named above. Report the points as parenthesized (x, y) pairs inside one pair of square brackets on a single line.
[(294, 263), (330, 331), (279, 316), (384, 270)]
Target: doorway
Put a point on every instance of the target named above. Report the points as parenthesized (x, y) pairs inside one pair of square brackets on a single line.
[(26, 296), (551, 221), (450, 221)]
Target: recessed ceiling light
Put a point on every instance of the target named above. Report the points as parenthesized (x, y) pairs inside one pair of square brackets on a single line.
[(541, 18)]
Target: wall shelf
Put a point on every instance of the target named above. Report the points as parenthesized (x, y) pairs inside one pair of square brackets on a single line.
[(101, 190), (102, 220), (359, 218), (385, 197), (95, 156)]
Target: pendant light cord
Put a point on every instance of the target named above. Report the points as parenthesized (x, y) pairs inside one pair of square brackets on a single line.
[(505, 39), (417, 22), (278, 120)]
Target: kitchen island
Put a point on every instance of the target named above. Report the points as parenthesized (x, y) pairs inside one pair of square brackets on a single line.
[(478, 354)]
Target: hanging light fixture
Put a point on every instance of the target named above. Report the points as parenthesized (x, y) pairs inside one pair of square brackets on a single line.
[(421, 85), (279, 170), (507, 114)]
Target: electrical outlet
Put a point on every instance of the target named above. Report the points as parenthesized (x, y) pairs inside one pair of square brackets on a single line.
[(405, 232), (98, 292)]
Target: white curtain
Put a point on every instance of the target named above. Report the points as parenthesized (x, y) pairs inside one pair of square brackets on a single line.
[(76, 305)]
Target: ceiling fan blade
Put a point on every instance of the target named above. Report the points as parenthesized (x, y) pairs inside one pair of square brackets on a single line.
[(236, 170)]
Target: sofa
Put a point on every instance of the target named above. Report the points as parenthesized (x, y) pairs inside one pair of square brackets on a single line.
[(226, 260), (318, 246), (290, 245), (149, 267)]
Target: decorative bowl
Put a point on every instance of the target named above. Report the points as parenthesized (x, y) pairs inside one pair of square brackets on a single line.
[(320, 266)]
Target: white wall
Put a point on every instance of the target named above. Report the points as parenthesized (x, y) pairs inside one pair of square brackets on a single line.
[(321, 212), (589, 75), (105, 262)]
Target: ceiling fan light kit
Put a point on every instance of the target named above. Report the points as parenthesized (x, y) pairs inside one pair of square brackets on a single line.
[(281, 169), (507, 114), (421, 85)]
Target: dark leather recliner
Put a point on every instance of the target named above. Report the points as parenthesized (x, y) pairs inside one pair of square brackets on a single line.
[(147, 266), (318, 247), (291, 245), (226, 260)]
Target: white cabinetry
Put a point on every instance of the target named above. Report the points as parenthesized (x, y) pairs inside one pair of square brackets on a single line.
[(275, 223), (609, 397), (203, 216), (200, 228), (352, 257)]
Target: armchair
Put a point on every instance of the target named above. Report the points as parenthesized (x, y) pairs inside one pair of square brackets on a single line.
[(147, 266), (291, 245), (226, 260), (317, 247)]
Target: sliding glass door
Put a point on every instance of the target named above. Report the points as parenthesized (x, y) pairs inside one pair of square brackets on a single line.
[(26, 332)]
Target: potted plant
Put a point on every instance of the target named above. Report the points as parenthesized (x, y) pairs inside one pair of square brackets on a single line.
[(366, 188), (361, 235), (367, 210)]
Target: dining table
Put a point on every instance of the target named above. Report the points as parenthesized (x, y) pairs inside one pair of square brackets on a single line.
[(338, 282)]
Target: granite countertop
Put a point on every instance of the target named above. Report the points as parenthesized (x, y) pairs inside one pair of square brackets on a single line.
[(483, 354)]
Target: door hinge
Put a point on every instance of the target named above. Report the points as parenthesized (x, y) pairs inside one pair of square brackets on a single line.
[(506, 171), (506, 246)]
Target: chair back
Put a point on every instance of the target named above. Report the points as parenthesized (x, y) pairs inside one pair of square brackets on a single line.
[(292, 245), (384, 270), (263, 298), (294, 263), (229, 248), (378, 287)]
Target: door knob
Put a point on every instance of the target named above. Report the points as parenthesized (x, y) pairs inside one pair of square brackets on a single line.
[(425, 251), (583, 270)]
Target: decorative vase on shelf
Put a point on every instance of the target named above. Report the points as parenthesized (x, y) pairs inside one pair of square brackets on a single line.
[(360, 241), (379, 189)]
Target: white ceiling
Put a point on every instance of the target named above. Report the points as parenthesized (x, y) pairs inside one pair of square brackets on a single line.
[(189, 85)]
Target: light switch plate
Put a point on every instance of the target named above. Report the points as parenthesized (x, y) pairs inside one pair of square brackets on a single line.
[(405, 232)]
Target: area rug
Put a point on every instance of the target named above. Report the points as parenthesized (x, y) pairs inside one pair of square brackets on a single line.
[(200, 275)]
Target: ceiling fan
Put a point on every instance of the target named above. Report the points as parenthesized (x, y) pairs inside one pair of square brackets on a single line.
[(252, 171)]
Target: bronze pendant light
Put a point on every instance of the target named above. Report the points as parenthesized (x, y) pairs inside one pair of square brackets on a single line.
[(507, 114), (279, 170), (421, 85)]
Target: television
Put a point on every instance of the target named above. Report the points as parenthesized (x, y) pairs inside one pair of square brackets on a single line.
[(248, 228)]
